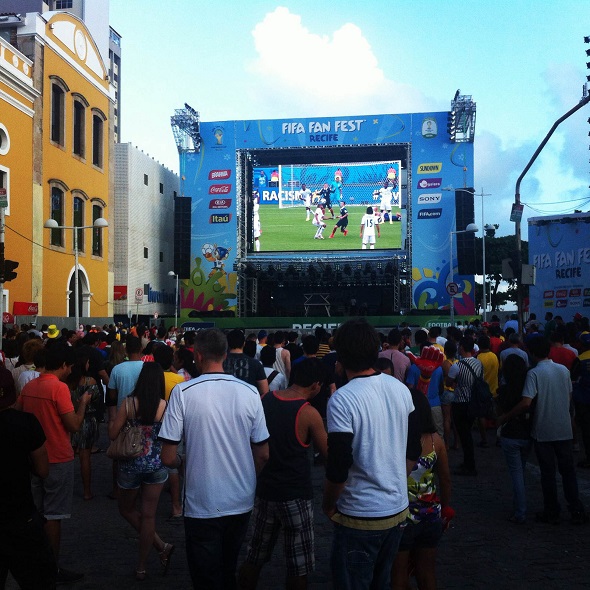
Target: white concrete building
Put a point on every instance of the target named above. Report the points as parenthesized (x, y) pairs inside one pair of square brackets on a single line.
[(143, 233)]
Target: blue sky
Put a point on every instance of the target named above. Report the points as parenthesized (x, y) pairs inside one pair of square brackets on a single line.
[(523, 62)]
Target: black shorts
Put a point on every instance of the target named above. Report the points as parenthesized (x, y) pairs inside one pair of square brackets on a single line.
[(342, 223), (421, 535)]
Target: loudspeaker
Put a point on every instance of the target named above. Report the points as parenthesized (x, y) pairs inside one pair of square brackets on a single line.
[(465, 214)]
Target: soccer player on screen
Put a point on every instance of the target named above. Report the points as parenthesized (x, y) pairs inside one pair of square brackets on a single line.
[(318, 221), (342, 220), (368, 224), (386, 194), (305, 196), (325, 197)]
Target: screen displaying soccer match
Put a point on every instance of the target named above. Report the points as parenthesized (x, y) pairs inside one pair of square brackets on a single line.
[(311, 207)]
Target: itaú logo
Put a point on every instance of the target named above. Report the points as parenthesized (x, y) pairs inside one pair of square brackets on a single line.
[(219, 189)]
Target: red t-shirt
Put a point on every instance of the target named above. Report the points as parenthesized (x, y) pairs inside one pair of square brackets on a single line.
[(48, 398), (562, 356)]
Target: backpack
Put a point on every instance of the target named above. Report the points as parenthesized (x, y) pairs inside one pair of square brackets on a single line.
[(480, 403)]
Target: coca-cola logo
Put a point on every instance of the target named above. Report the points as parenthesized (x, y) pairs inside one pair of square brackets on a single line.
[(33, 309), (219, 174), (219, 203), (219, 189)]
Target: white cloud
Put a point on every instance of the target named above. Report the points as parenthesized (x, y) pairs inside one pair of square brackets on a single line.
[(311, 74)]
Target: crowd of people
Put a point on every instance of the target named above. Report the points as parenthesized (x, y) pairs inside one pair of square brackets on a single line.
[(232, 423)]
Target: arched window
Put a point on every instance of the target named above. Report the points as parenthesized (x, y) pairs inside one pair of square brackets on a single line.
[(57, 213), (79, 125), (59, 89), (96, 232), (98, 120), (78, 219)]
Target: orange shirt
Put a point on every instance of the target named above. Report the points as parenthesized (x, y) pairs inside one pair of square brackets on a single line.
[(48, 399)]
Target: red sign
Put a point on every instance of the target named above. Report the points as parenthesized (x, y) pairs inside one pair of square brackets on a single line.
[(219, 189), (219, 203), (7, 318), (219, 174), (120, 292), (24, 308)]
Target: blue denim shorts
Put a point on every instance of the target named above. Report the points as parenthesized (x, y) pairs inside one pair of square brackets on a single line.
[(132, 481)]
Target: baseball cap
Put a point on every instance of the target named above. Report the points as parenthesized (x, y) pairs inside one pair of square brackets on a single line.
[(262, 334)]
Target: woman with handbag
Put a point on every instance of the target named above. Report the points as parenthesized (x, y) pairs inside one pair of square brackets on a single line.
[(143, 410)]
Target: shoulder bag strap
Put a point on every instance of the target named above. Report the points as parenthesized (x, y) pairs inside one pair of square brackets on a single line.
[(272, 376)]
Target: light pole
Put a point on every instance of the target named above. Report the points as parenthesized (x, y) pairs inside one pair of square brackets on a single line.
[(98, 223), (483, 244), (173, 274), (470, 229)]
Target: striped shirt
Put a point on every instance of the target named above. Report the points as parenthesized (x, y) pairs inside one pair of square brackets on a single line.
[(464, 378)]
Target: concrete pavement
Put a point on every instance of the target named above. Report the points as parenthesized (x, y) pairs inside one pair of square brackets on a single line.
[(480, 550)]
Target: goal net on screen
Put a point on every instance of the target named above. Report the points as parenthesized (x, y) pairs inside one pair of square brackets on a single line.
[(356, 183)]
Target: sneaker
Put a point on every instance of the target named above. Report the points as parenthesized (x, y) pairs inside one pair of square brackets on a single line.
[(548, 517), (67, 576), (579, 517), (345, 232)]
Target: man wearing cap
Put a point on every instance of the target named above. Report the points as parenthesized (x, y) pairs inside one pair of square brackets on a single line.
[(25, 551), (49, 399)]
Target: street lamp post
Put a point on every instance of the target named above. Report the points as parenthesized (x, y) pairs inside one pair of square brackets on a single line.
[(470, 229), (98, 223), (173, 274)]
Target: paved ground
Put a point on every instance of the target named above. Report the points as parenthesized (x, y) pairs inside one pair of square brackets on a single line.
[(481, 549)]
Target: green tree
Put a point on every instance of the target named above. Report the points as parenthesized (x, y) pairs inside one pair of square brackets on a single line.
[(496, 250)]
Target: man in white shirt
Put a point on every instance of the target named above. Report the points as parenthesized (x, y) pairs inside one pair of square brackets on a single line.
[(318, 221), (368, 224), (222, 423), (305, 196)]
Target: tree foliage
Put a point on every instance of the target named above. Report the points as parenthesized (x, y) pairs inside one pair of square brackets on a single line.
[(497, 249)]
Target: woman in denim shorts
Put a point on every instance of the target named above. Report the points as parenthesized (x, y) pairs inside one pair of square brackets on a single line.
[(145, 407)]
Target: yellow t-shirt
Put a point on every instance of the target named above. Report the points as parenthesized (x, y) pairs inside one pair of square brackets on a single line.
[(170, 380), (490, 363)]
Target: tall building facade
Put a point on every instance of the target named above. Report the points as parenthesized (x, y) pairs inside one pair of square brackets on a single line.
[(71, 167), (17, 103), (144, 227)]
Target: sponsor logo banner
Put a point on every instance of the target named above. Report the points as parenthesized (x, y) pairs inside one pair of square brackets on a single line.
[(220, 218), (560, 293), (219, 174), (561, 303), (25, 308), (547, 294), (219, 189), (586, 292), (429, 213), (429, 198), (575, 292), (548, 303), (575, 303), (586, 302), (219, 203), (429, 167), (425, 183)]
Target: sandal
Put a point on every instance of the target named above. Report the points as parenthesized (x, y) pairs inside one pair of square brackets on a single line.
[(140, 575), (165, 555)]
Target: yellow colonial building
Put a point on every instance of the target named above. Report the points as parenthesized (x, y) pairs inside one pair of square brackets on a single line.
[(70, 176), (17, 98)]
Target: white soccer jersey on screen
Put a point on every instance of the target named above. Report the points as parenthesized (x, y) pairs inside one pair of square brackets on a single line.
[(368, 222)]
